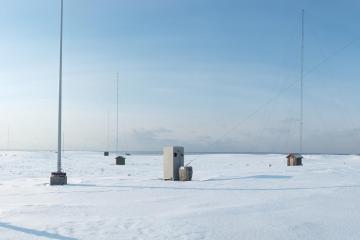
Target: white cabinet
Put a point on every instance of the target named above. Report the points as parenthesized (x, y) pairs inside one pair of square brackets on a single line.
[(173, 160)]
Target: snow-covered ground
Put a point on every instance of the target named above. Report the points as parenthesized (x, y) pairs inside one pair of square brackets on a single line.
[(230, 197)]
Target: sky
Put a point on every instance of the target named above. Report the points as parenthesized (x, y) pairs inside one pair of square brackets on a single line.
[(212, 76)]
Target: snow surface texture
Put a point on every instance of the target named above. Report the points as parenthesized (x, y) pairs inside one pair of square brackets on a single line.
[(230, 197)]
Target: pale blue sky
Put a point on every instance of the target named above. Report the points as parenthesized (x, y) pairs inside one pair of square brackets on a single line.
[(190, 71)]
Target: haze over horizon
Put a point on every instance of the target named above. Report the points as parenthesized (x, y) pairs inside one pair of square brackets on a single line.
[(203, 74)]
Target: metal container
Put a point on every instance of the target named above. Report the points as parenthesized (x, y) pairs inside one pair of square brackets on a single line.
[(185, 173)]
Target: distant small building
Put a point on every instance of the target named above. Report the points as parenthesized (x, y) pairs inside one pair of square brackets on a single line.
[(120, 160), (294, 159)]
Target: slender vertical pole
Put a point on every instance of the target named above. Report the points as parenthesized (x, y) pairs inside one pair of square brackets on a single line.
[(108, 132), (117, 113), (301, 82), (8, 139), (60, 93), (63, 143)]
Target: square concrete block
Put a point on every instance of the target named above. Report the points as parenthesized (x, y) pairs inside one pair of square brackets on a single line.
[(58, 178)]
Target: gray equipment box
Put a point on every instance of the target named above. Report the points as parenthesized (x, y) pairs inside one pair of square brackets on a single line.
[(173, 160), (58, 178)]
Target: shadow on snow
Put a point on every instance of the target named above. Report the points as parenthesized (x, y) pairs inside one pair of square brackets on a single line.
[(35, 232), (249, 177), (211, 188)]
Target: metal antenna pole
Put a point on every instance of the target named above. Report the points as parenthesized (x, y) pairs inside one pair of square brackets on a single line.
[(60, 93), (301, 82), (108, 131), (63, 143), (8, 139), (117, 113)]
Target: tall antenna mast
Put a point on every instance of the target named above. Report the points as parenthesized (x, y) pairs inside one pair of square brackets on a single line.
[(117, 113), (120, 160), (60, 93), (59, 177), (301, 82)]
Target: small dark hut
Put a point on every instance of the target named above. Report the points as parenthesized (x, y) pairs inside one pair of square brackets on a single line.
[(106, 154), (294, 159), (120, 160)]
